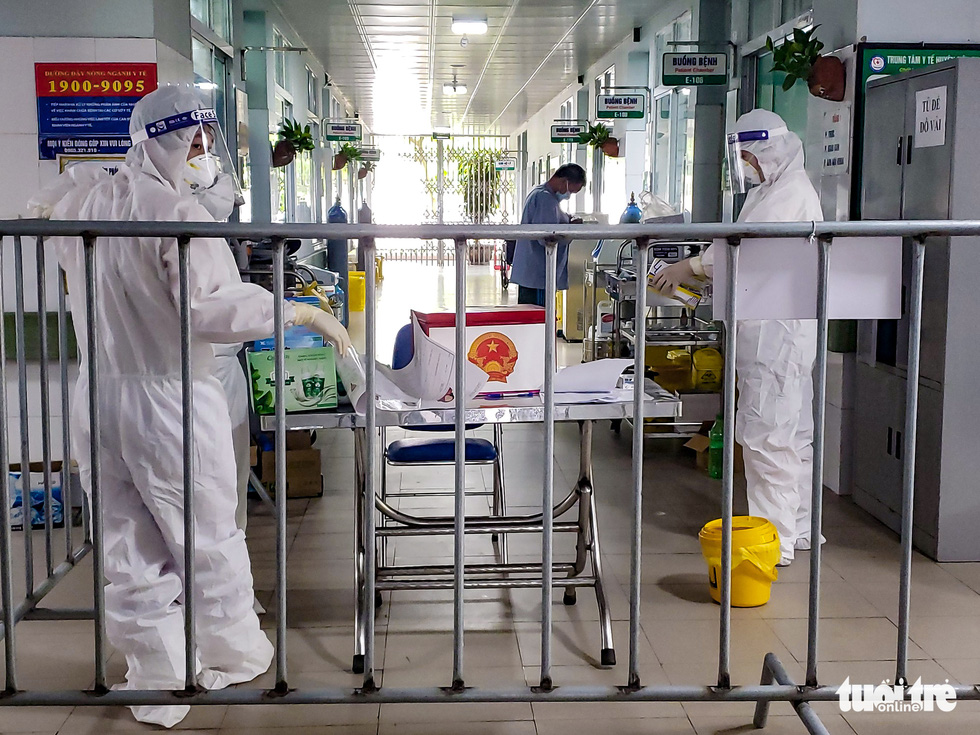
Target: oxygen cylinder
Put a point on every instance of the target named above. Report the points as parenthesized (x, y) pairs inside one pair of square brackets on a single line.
[(337, 252)]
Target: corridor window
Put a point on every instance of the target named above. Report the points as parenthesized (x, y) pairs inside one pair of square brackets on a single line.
[(280, 40), (671, 129), (215, 14), (312, 93)]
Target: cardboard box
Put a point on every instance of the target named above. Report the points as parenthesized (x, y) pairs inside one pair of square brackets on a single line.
[(295, 337), (299, 440), (505, 342), (700, 444), (311, 380), (303, 473)]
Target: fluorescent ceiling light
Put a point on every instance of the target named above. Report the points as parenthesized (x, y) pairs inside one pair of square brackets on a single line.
[(454, 88), (206, 85), (475, 26)]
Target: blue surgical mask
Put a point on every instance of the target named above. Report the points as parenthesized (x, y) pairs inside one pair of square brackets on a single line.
[(563, 197)]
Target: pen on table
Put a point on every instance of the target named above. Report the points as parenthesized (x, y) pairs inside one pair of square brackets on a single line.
[(501, 396)]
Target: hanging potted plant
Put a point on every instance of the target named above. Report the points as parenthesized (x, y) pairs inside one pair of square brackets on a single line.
[(599, 136), (293, 139), (366, 168), (347, 154), (800, 58)]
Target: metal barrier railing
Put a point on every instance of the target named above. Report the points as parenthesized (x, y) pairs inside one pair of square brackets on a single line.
[(775, 684)]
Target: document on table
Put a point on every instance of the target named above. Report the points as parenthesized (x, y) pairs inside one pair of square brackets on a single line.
[(598, 376), (427, 381), (617, 395)]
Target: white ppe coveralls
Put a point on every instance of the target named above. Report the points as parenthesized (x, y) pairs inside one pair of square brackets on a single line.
[(228, 371), (140, 404), (774, 358)]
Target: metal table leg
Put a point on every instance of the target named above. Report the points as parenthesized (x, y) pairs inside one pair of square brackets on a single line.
[(608, 652), (360, 606), (587, 546)]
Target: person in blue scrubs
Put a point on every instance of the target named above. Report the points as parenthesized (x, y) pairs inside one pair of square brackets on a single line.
[(542, 207)]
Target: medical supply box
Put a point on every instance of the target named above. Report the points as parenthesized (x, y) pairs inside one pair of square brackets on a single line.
[(506, 342), (295, 336), (311, 379)]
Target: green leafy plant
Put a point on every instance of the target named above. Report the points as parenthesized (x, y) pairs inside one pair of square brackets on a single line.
[(596, 135), (600, 136), (348, 153), (479, 181), (299, 136), (796, 56)]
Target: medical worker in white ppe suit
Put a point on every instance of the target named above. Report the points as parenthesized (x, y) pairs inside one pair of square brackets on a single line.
[(774, 359), (177, 149)]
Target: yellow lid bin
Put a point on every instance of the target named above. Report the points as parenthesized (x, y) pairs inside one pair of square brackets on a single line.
[(356, 290), (709, 367), (755, 554)]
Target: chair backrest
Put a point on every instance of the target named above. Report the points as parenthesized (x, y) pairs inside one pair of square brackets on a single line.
[(404, 348)]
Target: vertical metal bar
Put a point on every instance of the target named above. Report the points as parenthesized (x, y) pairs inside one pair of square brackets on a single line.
[(352, 192), (639, 394), (370, 462), (25, 441), (66, 499), (95, 434), (819, 418), (440, 195), (459, 517), (187, 425), (42, 316), (908, 461), (548, 495), (279, 318), (728, 476), (6, 563)]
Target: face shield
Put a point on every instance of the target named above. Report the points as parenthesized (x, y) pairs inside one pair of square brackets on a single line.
[(743, 175), (209, 162)]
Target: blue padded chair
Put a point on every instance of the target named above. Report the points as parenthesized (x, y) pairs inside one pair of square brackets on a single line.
[(441, 450)]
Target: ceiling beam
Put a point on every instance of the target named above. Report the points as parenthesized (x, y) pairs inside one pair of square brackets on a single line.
[(486, 65), (359, 22), (544, 61)]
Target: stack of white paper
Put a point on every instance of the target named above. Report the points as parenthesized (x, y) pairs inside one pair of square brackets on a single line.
[(592, 382)]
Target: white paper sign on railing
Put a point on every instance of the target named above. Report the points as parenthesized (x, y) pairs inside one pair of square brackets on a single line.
[(777, 278)]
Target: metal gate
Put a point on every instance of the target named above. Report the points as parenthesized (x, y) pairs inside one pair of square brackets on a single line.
[(454, 181)]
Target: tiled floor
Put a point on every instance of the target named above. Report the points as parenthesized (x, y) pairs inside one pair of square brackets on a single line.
[(679, 623)]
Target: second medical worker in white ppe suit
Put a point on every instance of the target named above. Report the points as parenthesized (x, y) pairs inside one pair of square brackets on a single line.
[(220, 199), (177, 148), (773, 359)]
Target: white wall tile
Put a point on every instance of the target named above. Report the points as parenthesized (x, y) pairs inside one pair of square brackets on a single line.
[(172, 67), (18, 172), (125, 49), (18, 113), (64, 49)]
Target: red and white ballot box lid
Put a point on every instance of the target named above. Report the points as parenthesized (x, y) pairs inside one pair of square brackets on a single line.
[(506, 342), (482, 317)]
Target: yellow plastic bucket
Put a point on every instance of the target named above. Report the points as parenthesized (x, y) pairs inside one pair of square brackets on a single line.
[(355, 282), (708, 369), (755, 554)]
